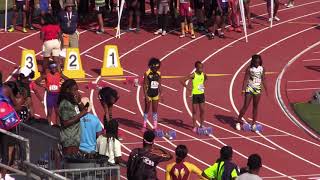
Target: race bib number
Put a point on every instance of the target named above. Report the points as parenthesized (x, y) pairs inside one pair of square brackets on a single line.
[(224, 1), (53, 88), (257, 81), (201, 87), (154, 85)]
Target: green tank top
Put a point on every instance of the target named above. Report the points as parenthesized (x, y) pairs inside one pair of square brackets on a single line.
[(198, 83)]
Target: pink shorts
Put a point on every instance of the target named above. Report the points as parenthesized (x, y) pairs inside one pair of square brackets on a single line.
[(185, 9)]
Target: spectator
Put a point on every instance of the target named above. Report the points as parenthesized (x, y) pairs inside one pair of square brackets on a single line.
[(134, 8), (45, 7), (109, 144), (30, 13), (8, 90), (253, 167), (223, 168), (100, 6), (68, 19), (275, 10), (50, 35), (70, 110), (25, 85), (181, 170), (52, 87), (90, 130), (108, 97), (23, 6), (248, 12), (163, 9), (142, 162), (185, 12)]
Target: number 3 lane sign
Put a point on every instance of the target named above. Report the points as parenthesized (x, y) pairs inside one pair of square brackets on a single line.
[(28, 60), (72, 65)]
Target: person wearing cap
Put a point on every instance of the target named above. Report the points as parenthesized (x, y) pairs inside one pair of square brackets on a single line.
[(152, 156), (68, 19), (25, 85), (50, 34), (52, 87)]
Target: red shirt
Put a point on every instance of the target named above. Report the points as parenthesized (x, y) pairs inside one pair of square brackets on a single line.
[(50, 32), (53, 82)]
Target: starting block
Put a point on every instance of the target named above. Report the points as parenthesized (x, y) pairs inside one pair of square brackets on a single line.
[(247, 127), (99, 85), (204, 131), (170, 134), (136, 81)]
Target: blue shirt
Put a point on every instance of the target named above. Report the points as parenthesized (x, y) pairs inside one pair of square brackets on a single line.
[(90, 126)]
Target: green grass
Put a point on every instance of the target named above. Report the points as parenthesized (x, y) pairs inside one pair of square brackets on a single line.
[(2, 5), (310, 114)]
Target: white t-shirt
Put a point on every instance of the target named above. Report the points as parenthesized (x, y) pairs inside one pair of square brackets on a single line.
[(248, 176), (111, 149)]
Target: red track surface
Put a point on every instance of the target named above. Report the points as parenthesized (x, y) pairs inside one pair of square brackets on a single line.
[(286, 149)]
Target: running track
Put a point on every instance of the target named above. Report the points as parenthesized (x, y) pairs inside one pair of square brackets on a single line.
[(288, 151)]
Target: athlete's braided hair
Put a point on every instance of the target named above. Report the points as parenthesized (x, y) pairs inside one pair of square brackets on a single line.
[(254, 59), (154, 62)]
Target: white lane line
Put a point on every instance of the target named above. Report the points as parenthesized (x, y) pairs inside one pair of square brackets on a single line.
[(168, 87), (222, 143), (8, 60), (303, 89), (307, 60), (289, 134), (302, 81), (172, 108), (89, 75), (208, 139), (130, 72), (99, 60), (281, 104), (119, 87), (22, 48), (214, 105), (13, 72), (102, 42), (81, 91), (236, 110), (17, 41), (94, 58), (244, 137), (124, 109), (279, 177)]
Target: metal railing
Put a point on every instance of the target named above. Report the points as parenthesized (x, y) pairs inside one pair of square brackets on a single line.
[(98, 173), (20, 138), (41, 173)]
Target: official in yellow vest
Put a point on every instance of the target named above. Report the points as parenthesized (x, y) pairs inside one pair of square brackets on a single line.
[(198, 99)]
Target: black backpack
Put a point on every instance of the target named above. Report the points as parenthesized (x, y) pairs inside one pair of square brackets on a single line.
[(136, 166)]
